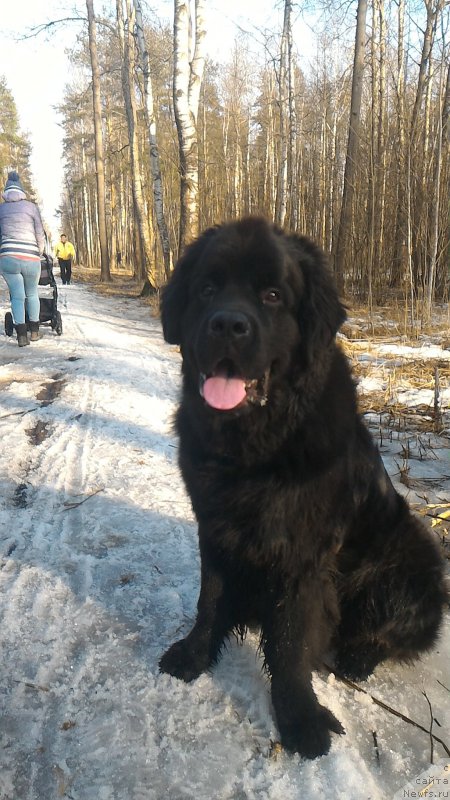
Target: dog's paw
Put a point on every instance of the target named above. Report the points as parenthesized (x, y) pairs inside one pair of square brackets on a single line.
[(310, 735), (182, 662), (357, 663)]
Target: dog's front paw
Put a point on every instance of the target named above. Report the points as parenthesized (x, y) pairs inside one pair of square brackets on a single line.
[(357, 663), (183, 662), (310, 735)]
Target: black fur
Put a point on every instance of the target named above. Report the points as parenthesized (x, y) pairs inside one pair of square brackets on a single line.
[(301, 531)]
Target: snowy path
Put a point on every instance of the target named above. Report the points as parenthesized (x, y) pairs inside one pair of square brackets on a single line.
[(99, 573)]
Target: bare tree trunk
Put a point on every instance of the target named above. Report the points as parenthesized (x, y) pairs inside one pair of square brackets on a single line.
[(435, 204), (247, 182), (351, 162), (380, 174), (284, 108), (85, 204), (269, 169), (371, 193), (446, 167), (105, 273), (433, 8), (377, 181), (146, 271), (414, 158), (188, 74), (332, 180), (150, 119), (293, 174), (446, 110), (400, 266)]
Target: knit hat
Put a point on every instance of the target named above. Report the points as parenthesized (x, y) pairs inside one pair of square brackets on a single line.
[(13, 183)]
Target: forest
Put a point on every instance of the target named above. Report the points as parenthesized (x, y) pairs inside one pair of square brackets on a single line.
[(349, 144), (15, 146), (333, 122)]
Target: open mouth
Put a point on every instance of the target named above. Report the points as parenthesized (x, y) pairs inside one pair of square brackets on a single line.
[(224, 389)]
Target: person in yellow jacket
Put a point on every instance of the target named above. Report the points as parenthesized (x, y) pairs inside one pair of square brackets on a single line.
[(65, 253)]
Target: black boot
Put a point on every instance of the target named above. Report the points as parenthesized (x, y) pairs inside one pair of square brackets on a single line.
[(34, 329), (22, 338)]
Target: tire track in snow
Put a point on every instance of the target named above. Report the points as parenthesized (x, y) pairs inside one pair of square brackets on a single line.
[(79, 577), (46, 544)]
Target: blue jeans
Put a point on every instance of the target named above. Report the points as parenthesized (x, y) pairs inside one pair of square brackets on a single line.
[(22, 277)]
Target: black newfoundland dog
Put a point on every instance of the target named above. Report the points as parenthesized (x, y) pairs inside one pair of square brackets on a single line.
[(301, 530)]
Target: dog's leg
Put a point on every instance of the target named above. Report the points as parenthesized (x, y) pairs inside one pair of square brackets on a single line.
[(295, 634), (191, 656), (391, 602)]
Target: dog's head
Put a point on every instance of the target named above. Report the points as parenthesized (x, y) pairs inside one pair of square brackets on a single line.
[(243, 301)]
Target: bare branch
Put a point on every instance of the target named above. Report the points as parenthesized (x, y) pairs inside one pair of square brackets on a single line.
[(431, 727), (381, 704), (49, 27)]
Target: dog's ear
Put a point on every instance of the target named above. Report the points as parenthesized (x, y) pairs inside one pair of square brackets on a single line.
[(175, 294), (320, 312)]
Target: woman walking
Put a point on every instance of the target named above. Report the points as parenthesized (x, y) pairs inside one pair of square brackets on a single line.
[(22, 240)]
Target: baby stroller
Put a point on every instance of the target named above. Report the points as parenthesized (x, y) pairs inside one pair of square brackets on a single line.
[(48, 300)]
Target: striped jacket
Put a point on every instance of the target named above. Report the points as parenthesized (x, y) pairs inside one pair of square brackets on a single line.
[(21, 231)]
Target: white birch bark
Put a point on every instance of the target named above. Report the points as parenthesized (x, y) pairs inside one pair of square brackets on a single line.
[(188, 74), (281, 200), (150, 119), (126, 45), (98, 136)]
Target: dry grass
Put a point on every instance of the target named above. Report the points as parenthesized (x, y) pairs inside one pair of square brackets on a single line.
[(392, 321), (411, 434), (398, 373), (122, 284)]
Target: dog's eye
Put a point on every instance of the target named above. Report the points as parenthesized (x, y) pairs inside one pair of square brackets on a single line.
[(207, 290), (271, 296)]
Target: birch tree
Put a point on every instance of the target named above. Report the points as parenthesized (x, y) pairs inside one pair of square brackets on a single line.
[(415, 171), (345, 223), (15, 148), (437, 200), (400, 263), (147, 271), (98, 136), (150, 121), (430, 278), (189, 60), (283, 88)]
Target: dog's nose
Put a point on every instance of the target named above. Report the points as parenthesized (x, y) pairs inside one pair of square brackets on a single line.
[(229, 324)]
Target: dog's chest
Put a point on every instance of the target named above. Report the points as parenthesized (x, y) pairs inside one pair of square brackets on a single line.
[(261, 512)]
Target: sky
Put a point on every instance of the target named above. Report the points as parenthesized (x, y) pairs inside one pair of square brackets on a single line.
[(36, 70)]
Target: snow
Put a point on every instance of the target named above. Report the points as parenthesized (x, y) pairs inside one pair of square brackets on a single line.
[(99, 573)]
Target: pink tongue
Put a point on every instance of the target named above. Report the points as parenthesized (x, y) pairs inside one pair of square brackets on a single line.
[(223, 393)]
